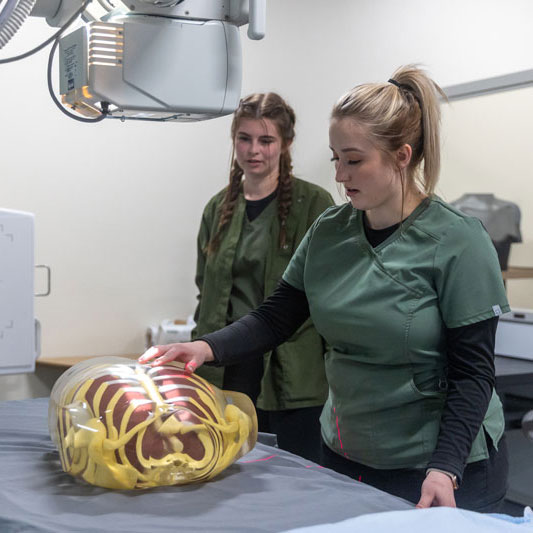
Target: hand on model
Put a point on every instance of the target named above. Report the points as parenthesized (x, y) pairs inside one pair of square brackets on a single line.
[(193, 354), (437, 491)]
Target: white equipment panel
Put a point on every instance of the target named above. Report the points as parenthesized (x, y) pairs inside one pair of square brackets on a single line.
[(17, 325), (514, 336)]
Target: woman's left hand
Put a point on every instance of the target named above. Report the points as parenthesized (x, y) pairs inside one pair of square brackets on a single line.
[(437, 491)]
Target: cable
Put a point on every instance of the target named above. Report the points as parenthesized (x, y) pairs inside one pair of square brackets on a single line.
[(12, 16), (48, 41), (105, 105), (123, 118), (108, 6)]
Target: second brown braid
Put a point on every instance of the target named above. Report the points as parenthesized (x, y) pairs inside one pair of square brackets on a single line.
[(228, 205), (284, 195)]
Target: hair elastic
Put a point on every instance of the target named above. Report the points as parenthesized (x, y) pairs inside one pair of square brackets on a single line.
[(394, 82), (407, 89)]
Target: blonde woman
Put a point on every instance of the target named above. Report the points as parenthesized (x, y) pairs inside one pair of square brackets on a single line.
[(406, 291)]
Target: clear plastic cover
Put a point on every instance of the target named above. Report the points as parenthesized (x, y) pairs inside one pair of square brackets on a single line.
[(122, 425)]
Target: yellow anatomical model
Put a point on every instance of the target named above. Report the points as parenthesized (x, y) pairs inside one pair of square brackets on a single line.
[(121, 425)]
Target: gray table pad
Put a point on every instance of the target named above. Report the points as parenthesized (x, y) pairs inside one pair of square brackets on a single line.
[(267, 490)]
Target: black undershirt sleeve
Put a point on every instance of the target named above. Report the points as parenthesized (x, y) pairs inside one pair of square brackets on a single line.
[(471, 380), (261, 330)]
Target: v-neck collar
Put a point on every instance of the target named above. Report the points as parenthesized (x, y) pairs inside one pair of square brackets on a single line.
[(265, 213), (404, 225)]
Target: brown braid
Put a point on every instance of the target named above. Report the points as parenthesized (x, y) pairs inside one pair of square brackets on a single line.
[(228, 205), (284, 195), (260, 106)]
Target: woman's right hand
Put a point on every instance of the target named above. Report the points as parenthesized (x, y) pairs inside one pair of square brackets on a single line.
[(193, 354)]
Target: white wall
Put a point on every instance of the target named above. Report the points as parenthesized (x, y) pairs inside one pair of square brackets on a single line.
[(118, 205), (487, 146)]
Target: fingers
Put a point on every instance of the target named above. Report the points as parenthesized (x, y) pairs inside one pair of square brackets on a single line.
[(428, 494), (176, 354), (191, 366), (436, 491), (161, 355), (425, 501), (150, 354), (160, 352), (427, 497), (170, 355), (192, 354)]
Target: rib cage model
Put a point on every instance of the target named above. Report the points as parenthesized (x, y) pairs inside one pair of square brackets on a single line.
[(122, 425)]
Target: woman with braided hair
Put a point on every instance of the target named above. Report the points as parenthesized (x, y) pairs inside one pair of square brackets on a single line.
[(247, 236), (406, 291)]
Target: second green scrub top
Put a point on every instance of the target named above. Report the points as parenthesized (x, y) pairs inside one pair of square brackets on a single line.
[(384, 312), (294, 374)]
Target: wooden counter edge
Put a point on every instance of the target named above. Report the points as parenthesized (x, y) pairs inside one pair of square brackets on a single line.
[(518, 273), (67, 362)]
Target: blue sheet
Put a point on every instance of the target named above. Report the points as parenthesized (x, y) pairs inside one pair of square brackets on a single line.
[(434, 520)]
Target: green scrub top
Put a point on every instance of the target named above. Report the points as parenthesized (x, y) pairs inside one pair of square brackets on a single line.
[(384, 312), (248, 270), (294, 375)]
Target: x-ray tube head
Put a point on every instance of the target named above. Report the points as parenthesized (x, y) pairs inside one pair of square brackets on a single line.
[(151, 67), (159, 60)]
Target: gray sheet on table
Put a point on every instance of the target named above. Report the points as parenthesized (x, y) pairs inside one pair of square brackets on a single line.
[(267, 490)]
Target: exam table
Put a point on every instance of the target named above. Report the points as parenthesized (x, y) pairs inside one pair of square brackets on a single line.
[(267, 490)]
